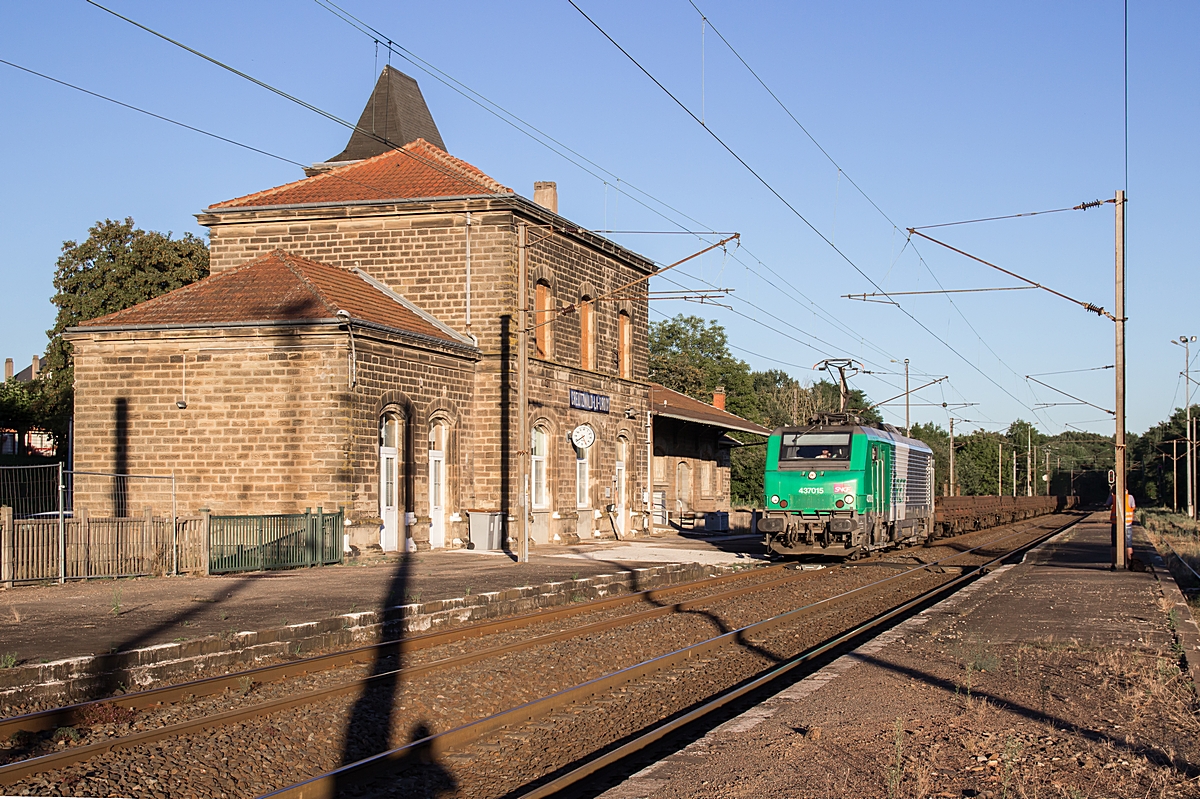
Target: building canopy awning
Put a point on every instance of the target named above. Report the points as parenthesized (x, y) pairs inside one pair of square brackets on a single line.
[(673, 405)]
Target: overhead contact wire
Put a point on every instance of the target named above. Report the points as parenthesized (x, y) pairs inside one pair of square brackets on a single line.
[(792, 208)]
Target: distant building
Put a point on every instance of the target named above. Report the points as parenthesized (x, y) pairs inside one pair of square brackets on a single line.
[(29, 373), (37, 442)]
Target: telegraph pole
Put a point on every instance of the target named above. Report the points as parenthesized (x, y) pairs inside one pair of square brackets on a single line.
[(1000, 469), (1119, 465), (1187, 359), (1188, 454), (1029, 461), (523, 438), (952, 457), (907, 416), (1014, 472)]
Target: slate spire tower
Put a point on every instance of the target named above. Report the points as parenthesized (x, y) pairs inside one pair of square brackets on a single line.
[(396, 112)]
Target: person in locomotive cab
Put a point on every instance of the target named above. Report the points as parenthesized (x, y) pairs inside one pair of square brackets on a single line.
[(824, 454), (1130, 507)]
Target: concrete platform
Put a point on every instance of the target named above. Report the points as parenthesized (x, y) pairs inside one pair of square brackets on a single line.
[(1061, 613), (140, 631)]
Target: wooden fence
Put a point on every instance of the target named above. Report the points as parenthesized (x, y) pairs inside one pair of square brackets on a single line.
[(36, 550)]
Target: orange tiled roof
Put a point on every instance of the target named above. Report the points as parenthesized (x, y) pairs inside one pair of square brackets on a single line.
[(418, 170), (278, 287), (672, 404)]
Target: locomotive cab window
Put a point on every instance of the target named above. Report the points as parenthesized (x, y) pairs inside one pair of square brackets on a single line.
[(814, 446)]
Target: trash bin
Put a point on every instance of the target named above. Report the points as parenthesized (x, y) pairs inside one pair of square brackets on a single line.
[(716, 522), (487, 529)]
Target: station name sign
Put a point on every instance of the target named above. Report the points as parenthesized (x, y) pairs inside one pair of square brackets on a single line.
[(587, 401)]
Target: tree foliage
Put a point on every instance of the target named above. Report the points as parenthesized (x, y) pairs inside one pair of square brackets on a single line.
[(17, 408), (691, 356), (983, 461), (1152, 468), (117, 266)]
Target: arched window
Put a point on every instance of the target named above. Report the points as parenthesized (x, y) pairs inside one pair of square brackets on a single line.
[(538, 475), (683, 487), (392, 502), (543, 315), (587, 333), (625, 345), (438, 439)]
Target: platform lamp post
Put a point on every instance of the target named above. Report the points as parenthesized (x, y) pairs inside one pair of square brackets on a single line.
[(1186, 343)]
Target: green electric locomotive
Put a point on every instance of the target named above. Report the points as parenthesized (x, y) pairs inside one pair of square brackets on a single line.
[(841, 487)]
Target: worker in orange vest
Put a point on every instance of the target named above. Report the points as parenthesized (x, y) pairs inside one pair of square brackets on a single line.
[(1130, 507)]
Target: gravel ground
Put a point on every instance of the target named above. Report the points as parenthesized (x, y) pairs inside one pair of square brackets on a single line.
[(107, 720), (254, 756), (1040, 721)]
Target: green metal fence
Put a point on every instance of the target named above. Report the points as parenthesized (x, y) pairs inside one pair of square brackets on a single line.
[(281, 541)]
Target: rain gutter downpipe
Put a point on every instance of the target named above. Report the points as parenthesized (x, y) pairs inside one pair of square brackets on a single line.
[(344, 318)]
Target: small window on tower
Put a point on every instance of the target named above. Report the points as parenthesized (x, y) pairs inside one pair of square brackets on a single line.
[(625, 345), (543, 317), (587, 333)]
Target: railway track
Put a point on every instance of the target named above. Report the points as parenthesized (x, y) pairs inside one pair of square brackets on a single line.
[(526, 711)]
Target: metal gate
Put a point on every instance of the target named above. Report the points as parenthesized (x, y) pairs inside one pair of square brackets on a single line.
[(61, 524), (278, 541)]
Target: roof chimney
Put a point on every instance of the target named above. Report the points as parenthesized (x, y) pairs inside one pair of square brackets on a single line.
[(8, 368), (545, 194), (35, 368), (719, 398)]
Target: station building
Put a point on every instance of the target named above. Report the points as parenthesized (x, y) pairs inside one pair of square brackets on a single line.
[(356, 346), (691, 466)]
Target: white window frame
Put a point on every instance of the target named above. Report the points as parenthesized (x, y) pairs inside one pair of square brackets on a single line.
[(537, 469)]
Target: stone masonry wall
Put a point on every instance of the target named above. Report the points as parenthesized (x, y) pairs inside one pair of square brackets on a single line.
[(424, 387), (263, 430), (419, 250), (271, 423)]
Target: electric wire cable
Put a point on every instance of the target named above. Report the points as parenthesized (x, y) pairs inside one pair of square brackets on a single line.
[(501, 113), (792, 208), (841, 172), (438, 167)]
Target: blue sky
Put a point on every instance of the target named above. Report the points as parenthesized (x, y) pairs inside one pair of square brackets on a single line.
[(938, 111)]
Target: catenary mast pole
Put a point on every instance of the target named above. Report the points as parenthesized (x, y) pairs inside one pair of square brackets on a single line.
[(952, 457), (1119, 465), (907, 415), (1187, 379), (1029, 461)]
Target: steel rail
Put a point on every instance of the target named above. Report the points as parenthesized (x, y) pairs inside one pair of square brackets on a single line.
[(20, 769), (324, 786), (1179, 558), (658, 733), (69, 715)]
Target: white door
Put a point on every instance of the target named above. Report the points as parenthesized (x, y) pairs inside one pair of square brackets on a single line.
[(621, 516), (437, 499), (389, 495)]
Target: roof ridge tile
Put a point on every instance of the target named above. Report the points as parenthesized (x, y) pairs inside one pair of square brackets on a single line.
[(417, 170)]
